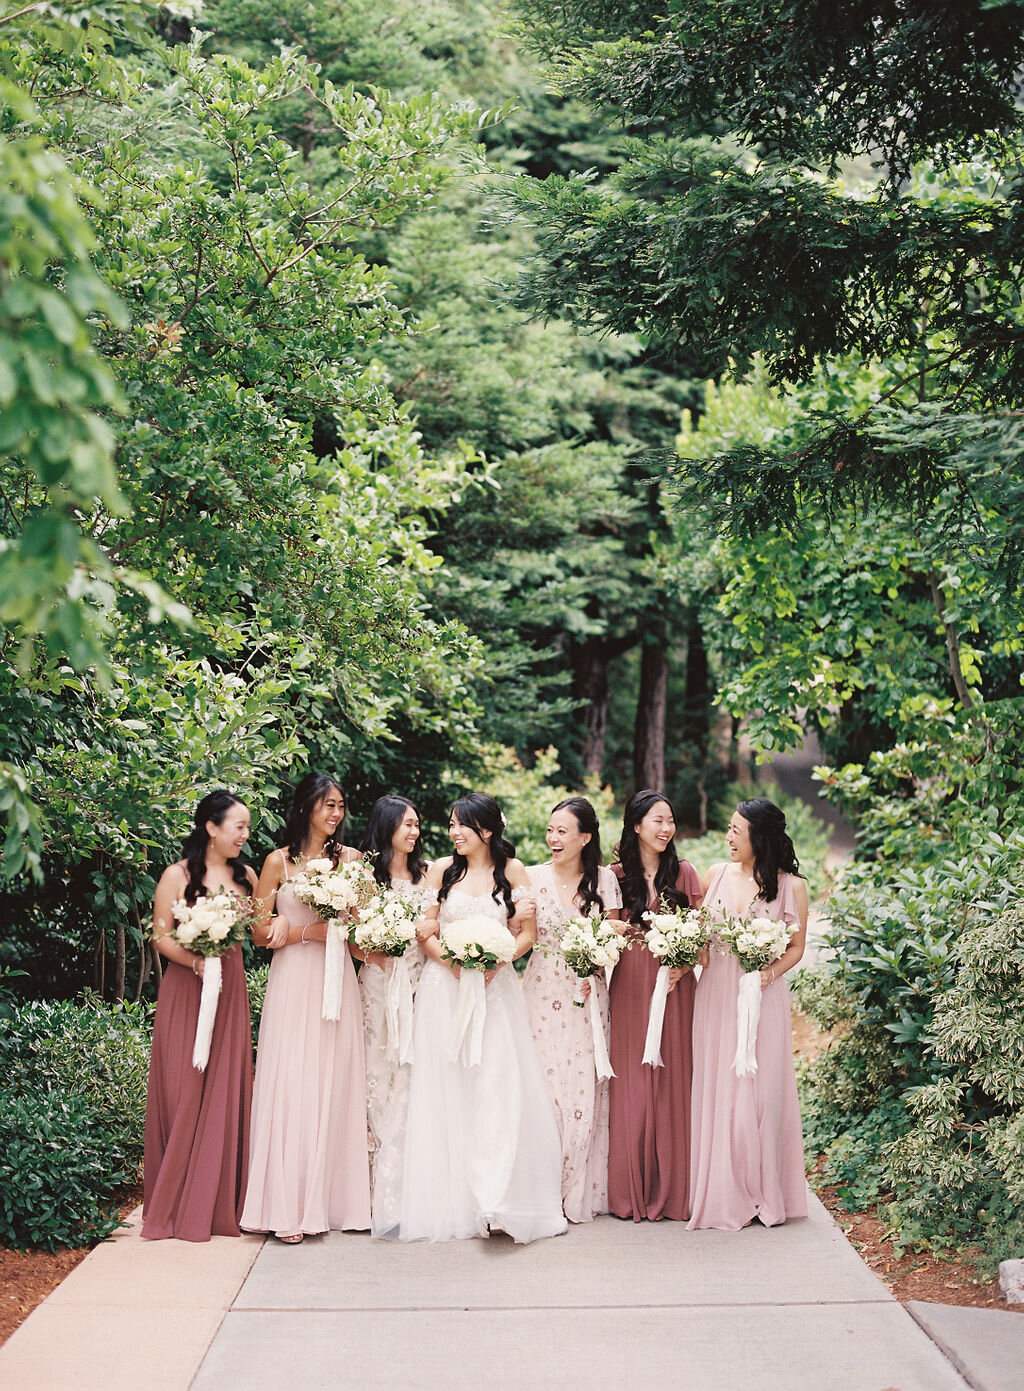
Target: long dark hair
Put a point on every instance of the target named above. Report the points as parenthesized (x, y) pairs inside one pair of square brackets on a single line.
[(772, 847), (480, 812), (587, 895), (386, 816), (634, 884), (312, 790), (214, 807)]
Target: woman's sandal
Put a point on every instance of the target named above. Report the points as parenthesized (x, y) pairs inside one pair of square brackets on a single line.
[(291, 1239)]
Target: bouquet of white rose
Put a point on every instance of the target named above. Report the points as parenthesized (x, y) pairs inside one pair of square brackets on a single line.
[(332, 889), (755, 943), (589, 945), (676, 936), (388, 926), (210, 927), (477, 943)]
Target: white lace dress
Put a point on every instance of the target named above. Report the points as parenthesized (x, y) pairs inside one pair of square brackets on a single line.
[(387, 1080), (481, 1147), (565, 1045)]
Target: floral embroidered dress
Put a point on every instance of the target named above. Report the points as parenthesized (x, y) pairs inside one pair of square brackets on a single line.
[(387, 1080), (565, 1045), (482, 1149)]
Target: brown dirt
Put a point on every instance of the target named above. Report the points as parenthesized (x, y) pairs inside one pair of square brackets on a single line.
[(27, 1277)]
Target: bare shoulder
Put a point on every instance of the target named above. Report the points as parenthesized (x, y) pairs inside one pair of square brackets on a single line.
[(349, 854), (709, 874), (174, 876), (438, 868), (515, 873), (274, 864)]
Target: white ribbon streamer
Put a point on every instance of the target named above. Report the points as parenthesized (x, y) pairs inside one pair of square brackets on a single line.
[(748, 1012), (334, 965), (207, 1012), (468, 1024), (655, 1020), (398, 1009), (602, 1062)]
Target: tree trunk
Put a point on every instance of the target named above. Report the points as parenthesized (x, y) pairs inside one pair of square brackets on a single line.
[(590, 660), (695, 726), (120, 960), (649, 741)]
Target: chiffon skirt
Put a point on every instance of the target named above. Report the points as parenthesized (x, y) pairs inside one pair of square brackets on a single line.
[(482, 1149), (309, 1167), (748, 1154)]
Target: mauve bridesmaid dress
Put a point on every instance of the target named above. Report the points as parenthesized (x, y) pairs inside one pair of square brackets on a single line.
[(649, 1107)]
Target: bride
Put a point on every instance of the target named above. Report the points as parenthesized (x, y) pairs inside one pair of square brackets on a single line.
[(482, 1150)]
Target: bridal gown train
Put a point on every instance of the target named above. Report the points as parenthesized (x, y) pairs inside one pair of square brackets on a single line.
[(482, 1149)]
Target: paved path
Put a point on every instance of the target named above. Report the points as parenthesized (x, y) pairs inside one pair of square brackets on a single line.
[(609, 1305)]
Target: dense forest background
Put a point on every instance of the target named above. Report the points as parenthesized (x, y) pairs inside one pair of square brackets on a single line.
[(531, 397)]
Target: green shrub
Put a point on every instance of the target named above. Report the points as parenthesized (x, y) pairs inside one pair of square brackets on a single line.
[(256, 978), (60, 1171), (72, 1117)]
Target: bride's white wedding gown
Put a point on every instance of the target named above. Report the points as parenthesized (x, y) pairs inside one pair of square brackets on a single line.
[(482, 1149)]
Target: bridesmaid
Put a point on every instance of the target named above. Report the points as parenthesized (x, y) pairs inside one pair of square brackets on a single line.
[(748, 1157), (392, 844), (649, 1120), (309, 1170), (572, 884), (197, 1123)]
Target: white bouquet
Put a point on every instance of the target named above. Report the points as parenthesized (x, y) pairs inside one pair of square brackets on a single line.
[(755, 943), (388, 926), (332, 889), (589, 945), (477, 943), (210, 927), (676, 936)]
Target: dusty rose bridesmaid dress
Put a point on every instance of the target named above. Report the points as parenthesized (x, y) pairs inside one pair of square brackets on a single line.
[(309, 1166), (649, 1107), (197, 1123), (748, 1155)]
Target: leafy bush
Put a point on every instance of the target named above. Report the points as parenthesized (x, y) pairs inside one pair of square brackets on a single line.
[(60, 1171), (72, 1118), (256, 978)]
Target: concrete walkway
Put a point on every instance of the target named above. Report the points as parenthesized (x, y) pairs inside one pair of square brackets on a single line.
[(608, 1305)]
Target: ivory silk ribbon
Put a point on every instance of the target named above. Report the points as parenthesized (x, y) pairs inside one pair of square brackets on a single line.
[(468, 1024), (334, 966), (748, 1012), (212, 976), (398, 1009), (656, 1018)]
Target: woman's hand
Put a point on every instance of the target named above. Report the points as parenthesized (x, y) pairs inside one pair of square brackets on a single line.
[(675, 975), (427, 927), (277, 933), (315, 931), (768, 977), (583, 987), (198, 966), (378, 958)]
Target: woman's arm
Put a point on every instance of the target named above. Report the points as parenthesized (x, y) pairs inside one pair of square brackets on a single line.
[(523, 922), (426, 924), (797, 942), (171, 887)]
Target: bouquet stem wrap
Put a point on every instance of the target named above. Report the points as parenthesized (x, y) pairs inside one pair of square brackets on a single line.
[(656, 1019), (602, 1062), (207, 1011), (468, 1024), (748, 1012), (398, 1007), (334, 966)]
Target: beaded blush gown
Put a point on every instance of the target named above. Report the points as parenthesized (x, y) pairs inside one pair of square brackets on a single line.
[(565, 1045), (747, 1155), (387, 1079), (308, 1164), (482, 1150)]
